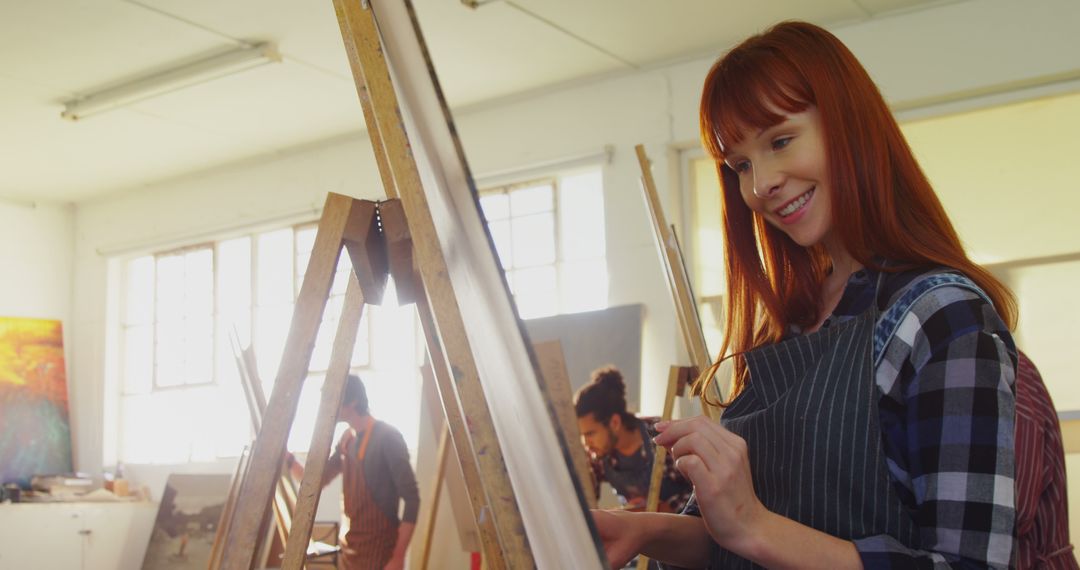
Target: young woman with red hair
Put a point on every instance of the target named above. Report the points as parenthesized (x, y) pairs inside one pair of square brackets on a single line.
[(872, 416)]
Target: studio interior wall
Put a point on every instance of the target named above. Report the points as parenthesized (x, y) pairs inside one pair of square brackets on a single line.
[(655, 107), (37, 259)]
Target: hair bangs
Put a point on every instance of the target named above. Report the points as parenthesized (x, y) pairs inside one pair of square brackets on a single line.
[(749, 90)]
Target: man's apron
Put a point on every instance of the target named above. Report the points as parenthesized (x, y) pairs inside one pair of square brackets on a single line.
[(809, 416), (370, 540)]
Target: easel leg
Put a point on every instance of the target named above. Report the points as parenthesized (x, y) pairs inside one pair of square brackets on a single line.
[(436, 493), (321, 439), (676, 375), (463, 443)]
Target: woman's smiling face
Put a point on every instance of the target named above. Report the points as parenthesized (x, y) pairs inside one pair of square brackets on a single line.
[(783, 175)]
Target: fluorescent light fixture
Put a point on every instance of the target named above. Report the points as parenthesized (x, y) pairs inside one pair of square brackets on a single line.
[(169, 80)]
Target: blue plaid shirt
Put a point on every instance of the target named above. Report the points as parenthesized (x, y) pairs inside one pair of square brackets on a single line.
[(947, 419)]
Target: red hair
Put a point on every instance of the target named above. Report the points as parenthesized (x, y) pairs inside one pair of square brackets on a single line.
[(883, 205)]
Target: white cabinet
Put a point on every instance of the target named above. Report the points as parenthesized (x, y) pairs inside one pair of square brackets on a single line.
[(74, 536)]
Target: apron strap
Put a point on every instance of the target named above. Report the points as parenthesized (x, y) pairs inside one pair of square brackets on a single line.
[(367, 437)]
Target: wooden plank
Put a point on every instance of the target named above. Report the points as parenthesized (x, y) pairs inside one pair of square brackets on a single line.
[(381, 160), (453, 479), (333, 390), (402, 266), (399, 249), (217, 548), (517, 444), (652, 501), (462, 440), (678, 281), (258, 487), (284, 494), (436, 492), (366, 248), (553, 370)]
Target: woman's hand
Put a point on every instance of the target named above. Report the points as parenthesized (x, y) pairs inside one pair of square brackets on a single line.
[(716, 462), (618, 532)]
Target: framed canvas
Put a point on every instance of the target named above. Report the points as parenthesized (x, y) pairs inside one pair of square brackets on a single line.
[(187, 521), (35, 433)]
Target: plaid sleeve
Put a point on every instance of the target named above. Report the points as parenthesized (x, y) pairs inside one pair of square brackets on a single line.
[(597, 471), (947, 419)]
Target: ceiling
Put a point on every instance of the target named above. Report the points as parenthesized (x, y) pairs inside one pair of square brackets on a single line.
[(54, 50)]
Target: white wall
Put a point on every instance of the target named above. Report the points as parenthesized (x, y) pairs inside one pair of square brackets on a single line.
[(656, 107), (37, 266), (36, 257)]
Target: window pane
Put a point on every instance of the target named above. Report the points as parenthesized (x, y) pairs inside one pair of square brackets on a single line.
[(708, 234), (139, 291), (324, 342), (179, 426), (534, 240), (361, 355), (393, 395), (341, 276), (305, 239), (169, 354), (581, 215), (307, 411), (535, 292), (138, 359), (271, 328), (531, 200), (305, 242), (234, 277), (394, 347), (226, 370), (496, 206), (170, 288), (275, 261), (199, 282), (147, 435), (198, 350), (500, 234), (583, 285)]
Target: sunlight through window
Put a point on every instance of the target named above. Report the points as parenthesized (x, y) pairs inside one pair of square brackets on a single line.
[(549, 237)]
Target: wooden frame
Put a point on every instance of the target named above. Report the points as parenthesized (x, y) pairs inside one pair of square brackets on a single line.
[(678, 281), (678, 378)]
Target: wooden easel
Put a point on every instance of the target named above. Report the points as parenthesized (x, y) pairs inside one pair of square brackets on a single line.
[(689, 324), (679, 377), (557, 381), (448, 475), (678, 281), (381, 242)]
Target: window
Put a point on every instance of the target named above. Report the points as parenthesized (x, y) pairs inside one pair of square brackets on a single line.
[(706, 245), (181, 398), (549, 235)]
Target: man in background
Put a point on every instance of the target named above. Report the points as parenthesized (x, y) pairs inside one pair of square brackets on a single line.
[(372, 457), (620, 445)]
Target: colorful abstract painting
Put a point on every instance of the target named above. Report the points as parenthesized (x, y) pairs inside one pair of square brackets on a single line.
[(35, 436)]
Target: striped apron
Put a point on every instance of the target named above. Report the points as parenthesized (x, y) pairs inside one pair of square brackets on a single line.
[(370, 540), (809, 416)]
